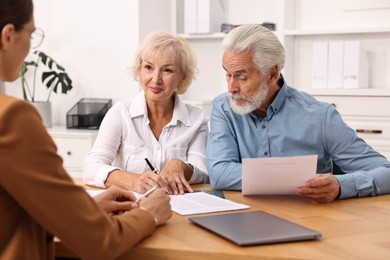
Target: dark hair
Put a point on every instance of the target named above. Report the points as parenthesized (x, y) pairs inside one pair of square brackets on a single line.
[(16, 12)]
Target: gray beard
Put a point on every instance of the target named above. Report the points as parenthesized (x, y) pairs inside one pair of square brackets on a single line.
[(251, 103)]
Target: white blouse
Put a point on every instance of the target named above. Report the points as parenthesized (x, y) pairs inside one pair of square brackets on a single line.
[(125, 140)]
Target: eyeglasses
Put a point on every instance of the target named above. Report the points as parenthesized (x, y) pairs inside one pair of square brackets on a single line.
[(37, 37)]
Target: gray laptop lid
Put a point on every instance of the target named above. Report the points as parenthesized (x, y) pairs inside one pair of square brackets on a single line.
[(255, 228)]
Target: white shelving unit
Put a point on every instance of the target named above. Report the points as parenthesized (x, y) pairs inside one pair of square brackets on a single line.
[(364, 109), (337, 31), (299, 24), (365, 21), (211, 81), (376, 43), (203, 36)]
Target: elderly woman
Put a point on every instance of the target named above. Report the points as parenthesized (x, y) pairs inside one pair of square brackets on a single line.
[(156, 126)]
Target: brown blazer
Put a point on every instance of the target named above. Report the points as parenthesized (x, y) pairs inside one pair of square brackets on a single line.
[(37, 195)]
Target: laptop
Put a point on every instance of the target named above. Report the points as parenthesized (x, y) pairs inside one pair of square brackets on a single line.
[(254, 228)]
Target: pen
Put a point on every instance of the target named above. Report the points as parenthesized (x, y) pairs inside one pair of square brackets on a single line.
[(151, 166), (146, 194), (156, 172)]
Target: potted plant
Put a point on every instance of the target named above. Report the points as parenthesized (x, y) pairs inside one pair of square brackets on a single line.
[(53, 77)]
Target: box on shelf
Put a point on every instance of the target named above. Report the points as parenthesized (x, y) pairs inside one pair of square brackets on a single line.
[(88, 113), (227, 27)]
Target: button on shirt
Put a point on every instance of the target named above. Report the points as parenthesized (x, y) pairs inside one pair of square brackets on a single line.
[(125, 140), (296, 124)]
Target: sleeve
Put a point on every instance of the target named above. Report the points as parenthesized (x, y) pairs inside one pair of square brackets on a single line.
[(367, 172), (222, 154), (97, 163), (37, 181), (196, 152)]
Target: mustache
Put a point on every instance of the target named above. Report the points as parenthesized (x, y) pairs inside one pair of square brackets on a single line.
[(238, 97)]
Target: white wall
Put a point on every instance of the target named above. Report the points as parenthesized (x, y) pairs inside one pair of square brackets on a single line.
[(95, 40)]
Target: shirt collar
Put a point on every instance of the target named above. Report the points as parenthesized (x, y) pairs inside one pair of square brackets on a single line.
[(180, 112), (281, 96), (138, 106)]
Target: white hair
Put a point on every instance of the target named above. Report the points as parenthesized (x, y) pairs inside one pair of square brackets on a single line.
[(262, 43)]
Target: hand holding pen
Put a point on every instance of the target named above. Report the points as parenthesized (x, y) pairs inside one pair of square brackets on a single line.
[(157, 204), (155, 201), (151, 166), (146, 194), (159, 181), (175, 172)]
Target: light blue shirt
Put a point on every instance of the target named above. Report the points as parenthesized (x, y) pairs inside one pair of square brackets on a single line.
[(296, 124)]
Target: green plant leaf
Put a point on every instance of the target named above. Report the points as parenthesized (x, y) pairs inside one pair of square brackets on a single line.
[(50, 76), (25, 66), (59, 67), (53, 79)]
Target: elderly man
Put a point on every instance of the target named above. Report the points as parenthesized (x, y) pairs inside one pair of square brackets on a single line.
[(261, 116)]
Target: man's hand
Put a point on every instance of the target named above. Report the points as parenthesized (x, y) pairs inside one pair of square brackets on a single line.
[(115, 200), (324, 188)]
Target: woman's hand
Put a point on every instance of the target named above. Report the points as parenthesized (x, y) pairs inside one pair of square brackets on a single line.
[(133, 181), (174, 174), (146, 181), (115, 200), (157, 204)]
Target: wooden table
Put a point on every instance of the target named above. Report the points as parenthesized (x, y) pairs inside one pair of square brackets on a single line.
[(351, 229)]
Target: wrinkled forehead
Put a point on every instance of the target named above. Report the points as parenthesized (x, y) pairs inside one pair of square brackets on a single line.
[(233, 61)]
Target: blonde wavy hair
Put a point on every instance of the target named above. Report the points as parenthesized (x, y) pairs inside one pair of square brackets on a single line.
[(175, 48)]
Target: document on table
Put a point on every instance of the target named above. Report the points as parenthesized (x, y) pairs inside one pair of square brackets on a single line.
[(194, 203), (277, 175), (201, 202), (93, 193)]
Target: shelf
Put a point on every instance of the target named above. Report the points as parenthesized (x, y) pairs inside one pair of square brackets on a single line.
[(61, 129), (369, 92), (336, 31), (206, 36)]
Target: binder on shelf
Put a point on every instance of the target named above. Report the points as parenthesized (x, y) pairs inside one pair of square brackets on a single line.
[(355, 66), (335, 64), (320, 65), (203, 16), (190, 16)]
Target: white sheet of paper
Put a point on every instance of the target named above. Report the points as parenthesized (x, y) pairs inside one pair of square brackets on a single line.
[(277, 175), (93, 193), (194, 203), (201, 202)]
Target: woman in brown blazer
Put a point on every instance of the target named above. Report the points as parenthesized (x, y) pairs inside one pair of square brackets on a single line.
[(37, 197)]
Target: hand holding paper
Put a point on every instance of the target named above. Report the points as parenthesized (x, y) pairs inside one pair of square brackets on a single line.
[(277, 175), (324, 188)]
